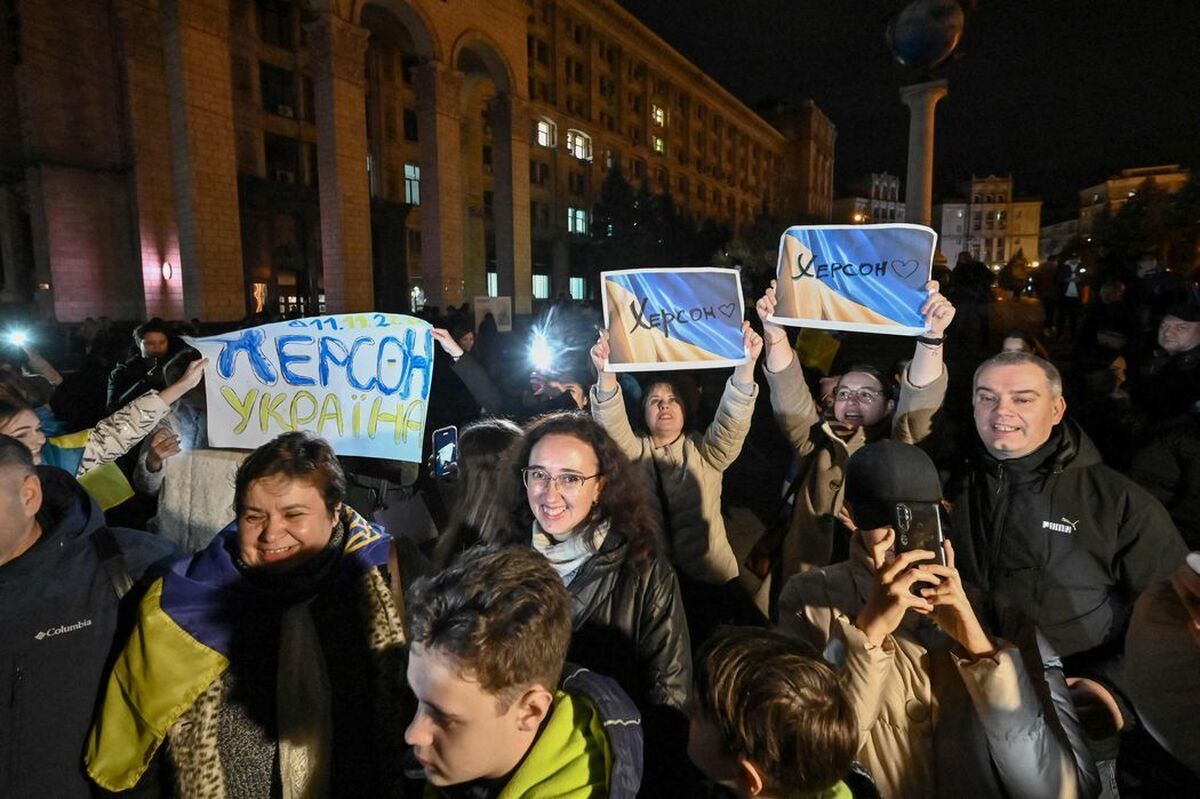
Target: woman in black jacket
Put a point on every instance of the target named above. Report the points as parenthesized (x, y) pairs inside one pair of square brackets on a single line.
[(584, 509)]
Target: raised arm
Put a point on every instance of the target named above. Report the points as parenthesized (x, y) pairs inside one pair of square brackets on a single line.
[(791, 400), (483, 389), (608, 403), (723, 440), (926, 363)]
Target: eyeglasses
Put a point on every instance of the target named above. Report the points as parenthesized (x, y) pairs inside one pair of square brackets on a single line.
[(566, 484), (864, 396)]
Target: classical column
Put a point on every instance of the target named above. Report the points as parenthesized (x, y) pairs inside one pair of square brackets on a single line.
[(442, 200), (140, 34), (203, 158), (338, 51), (921, 99), (13, 258), (510, 159)]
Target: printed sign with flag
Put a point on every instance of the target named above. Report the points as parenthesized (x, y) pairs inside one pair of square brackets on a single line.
[(660, 319), (868, 278), (360, 381)]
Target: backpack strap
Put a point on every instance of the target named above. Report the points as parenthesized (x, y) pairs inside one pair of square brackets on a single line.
[(112, 559)]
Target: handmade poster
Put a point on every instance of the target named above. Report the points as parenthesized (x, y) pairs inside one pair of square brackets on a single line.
[(360, 381), (661, 319), (499, 307), (868, 278)]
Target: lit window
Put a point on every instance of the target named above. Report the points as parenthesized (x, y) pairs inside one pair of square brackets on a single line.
[(547, 133), (658, 114), (578, 288), (412, 184), (577, 220), (417, 298), (541, 287), (660, 144), (493, 284), (579, 145)]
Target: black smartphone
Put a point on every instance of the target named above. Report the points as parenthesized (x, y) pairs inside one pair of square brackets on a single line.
[(918, 525), (445, 451)]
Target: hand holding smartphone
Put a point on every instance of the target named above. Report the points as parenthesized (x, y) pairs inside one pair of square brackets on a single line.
[(445, 451)]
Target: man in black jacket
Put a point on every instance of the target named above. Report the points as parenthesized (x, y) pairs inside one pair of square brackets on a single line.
[(62, 578), (142, 372), (1047, 529)]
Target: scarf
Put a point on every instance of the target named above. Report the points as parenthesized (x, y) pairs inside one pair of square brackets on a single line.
[(568, 556), (181, 646)]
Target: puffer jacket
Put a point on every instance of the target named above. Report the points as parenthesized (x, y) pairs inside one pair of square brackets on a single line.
[(823, 457), (1062, 538), (629, 625), (689, 471), (1005, 722)]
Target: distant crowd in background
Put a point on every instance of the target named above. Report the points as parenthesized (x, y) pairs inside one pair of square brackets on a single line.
[(947, 567)]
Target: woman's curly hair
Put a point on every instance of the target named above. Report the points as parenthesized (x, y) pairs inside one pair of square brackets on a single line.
[(623, 502)]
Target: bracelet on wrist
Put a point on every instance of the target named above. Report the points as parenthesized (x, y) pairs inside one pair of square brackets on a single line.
[(775, 341), (931, 342)]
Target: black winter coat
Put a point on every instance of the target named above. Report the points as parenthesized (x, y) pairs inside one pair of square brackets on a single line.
[(59, 617), (630, 625), (1063, 538)]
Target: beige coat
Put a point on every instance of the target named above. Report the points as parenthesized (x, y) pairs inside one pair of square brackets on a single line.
[(691, 469), (932, 723), (823, 457)]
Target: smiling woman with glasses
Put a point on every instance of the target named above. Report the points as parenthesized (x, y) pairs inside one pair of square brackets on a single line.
[(585, 508)]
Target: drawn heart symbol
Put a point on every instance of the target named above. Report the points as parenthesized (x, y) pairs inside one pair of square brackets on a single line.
[(728, 309), (905, 269)]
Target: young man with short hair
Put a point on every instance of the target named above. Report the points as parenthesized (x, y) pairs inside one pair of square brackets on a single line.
[(498, 718), (768, 719)]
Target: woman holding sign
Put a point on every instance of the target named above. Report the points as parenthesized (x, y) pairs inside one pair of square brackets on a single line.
[(685, 469), (864, 410), (272, 662)]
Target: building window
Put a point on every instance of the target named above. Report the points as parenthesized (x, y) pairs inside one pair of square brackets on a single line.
[(410, 124), (578, 287), (575, 182), (493, 284), (275, 23), (278, 90), (412, 184), (282, 157), (577, 220), (658, 114), (579, 145), (546, 134), (659, 144), (609, 157), (541, 287)]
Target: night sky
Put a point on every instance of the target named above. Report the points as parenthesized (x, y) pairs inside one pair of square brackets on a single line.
[(1059, 93)]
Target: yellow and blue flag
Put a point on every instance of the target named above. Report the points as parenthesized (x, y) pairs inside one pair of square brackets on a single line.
[(866, 278), (673, 318), (181, 645)]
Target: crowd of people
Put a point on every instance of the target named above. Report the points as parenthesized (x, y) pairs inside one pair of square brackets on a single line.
[(920, 581)]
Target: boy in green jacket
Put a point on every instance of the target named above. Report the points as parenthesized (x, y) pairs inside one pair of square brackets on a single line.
[(499, 716)]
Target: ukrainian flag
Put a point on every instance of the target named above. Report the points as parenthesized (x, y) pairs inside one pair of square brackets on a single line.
[(181, 645)]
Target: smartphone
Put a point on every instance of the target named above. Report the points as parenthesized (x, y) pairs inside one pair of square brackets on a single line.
[(918, 525), (445, 451), (1193, 560)]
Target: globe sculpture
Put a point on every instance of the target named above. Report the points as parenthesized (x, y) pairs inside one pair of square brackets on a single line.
[(925, 32)]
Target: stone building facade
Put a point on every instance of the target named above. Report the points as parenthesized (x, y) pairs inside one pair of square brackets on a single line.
[(213, 158), (989, 222)]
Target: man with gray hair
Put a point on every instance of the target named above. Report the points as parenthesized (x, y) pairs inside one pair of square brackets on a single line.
[(1044, 527)]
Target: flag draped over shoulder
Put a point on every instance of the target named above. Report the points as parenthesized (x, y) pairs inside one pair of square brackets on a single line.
[(181, 644)]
